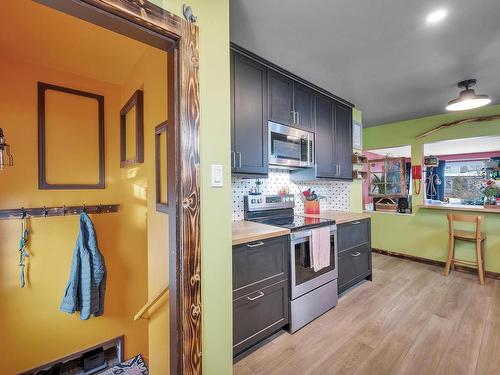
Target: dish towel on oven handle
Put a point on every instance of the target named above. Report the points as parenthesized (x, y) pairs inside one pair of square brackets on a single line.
[(320, 248)]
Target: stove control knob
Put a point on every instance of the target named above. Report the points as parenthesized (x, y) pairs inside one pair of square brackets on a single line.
[(259, 200), (253, 201)]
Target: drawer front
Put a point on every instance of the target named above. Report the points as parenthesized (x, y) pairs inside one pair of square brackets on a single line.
[(258, 315), (354, 265), (258, 264), (353, 234)]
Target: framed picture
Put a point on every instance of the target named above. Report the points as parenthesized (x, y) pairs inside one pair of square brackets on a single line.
[(357, 135), (70, 139), (161, 133), (134, 137)]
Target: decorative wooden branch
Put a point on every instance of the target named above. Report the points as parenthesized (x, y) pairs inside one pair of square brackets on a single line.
[(459, 122)]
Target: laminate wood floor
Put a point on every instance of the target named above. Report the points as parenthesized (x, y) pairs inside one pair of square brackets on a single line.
[(409, 320)]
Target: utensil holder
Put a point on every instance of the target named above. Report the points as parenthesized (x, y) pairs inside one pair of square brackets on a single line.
[(311, 207)]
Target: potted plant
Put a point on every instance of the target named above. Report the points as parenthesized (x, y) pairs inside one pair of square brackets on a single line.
[(491, 192)]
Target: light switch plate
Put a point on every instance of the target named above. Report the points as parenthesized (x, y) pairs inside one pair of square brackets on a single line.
[(217, 175)]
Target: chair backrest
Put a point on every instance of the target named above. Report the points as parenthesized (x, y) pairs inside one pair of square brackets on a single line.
[(477, 220)]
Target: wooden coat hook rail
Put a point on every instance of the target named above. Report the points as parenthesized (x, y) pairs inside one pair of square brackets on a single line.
[(19, 213)]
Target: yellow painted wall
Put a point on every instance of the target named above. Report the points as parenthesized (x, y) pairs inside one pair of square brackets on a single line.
[(34, 331), (150, 75)]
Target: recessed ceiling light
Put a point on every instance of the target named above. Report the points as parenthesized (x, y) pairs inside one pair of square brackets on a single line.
[(468, 99), (436, 16)]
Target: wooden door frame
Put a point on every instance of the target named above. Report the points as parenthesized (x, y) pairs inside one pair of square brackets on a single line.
[(148, 23)]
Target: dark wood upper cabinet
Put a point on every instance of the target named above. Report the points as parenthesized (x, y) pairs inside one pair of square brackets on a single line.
[(343, 141), (280, 98), (262, 92), (303, 106), (325, 141), (290, 102), (248, 116), (333, 142)]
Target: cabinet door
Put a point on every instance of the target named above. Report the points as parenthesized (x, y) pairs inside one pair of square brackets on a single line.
[(249, 117), (303, 106), (280, 98), (258, 264), (354, 265), (325, 167), (353, 234), (258, 315), (343, 141)]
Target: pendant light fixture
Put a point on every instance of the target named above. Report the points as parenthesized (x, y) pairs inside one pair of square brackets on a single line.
[(6, 158), (467, 99)]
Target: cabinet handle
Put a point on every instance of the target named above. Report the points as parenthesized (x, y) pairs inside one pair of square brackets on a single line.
[(338, 169), (298, 118), (293, 116), (233, 159), (261, 294), (356, 254), (239, 159), (256, 244), (355, 222)]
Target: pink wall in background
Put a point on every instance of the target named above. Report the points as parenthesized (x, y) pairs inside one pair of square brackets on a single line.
[(366, 197)]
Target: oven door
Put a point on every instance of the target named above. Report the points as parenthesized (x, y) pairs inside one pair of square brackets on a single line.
[(290, 147), (302, 275)]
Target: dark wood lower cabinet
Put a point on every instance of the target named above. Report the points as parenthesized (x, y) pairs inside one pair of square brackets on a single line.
[(260, 291), (258, 315), (354, 253)]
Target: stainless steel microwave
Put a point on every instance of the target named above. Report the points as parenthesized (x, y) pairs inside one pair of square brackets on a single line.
[(290, 147)]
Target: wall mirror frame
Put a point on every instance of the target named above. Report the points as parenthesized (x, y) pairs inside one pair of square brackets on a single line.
[(43, 184), (161, 205), (136, 101)]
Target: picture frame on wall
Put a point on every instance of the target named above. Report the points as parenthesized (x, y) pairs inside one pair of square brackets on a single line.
[(357, 135), (161, 134), (136, 102)]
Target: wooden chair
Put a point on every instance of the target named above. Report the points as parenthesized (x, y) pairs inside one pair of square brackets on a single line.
[(471, 236)]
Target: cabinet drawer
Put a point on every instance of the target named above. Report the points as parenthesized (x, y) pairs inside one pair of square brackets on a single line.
[(353, 234), (258, 315), (354, 265), (259, 264)]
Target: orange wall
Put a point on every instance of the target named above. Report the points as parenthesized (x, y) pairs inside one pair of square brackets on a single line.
[(150, 74), (34, 331)]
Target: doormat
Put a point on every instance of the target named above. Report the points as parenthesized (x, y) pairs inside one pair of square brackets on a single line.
[(133, 366)]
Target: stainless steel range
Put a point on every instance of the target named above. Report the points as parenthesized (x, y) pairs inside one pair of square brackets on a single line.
[(311, 293)]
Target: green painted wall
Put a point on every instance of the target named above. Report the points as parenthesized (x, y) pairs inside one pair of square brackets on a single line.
[(424, 233), (215, 148)]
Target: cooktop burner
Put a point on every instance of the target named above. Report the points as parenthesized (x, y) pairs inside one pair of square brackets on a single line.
[(293, 222)]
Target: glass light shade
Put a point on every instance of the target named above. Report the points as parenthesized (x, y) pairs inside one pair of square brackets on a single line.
[(468, 100)]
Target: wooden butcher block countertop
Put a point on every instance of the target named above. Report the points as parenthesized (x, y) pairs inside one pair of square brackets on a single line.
[(248, 231), (339, 217)]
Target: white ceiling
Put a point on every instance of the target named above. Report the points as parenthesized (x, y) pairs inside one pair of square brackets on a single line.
[(380, 55), (463, 146)]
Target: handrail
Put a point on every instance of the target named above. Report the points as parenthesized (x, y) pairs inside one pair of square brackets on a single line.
[(142, 312)]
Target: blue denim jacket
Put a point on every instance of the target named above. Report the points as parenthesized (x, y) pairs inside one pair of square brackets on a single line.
[(87, 280)]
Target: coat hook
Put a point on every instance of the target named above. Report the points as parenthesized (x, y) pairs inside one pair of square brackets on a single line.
[(23, 212), (84, 210), (99, 209), (64, 210), (45, 211)]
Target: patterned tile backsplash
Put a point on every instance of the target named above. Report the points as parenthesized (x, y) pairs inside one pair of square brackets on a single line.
[(336, 193)]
